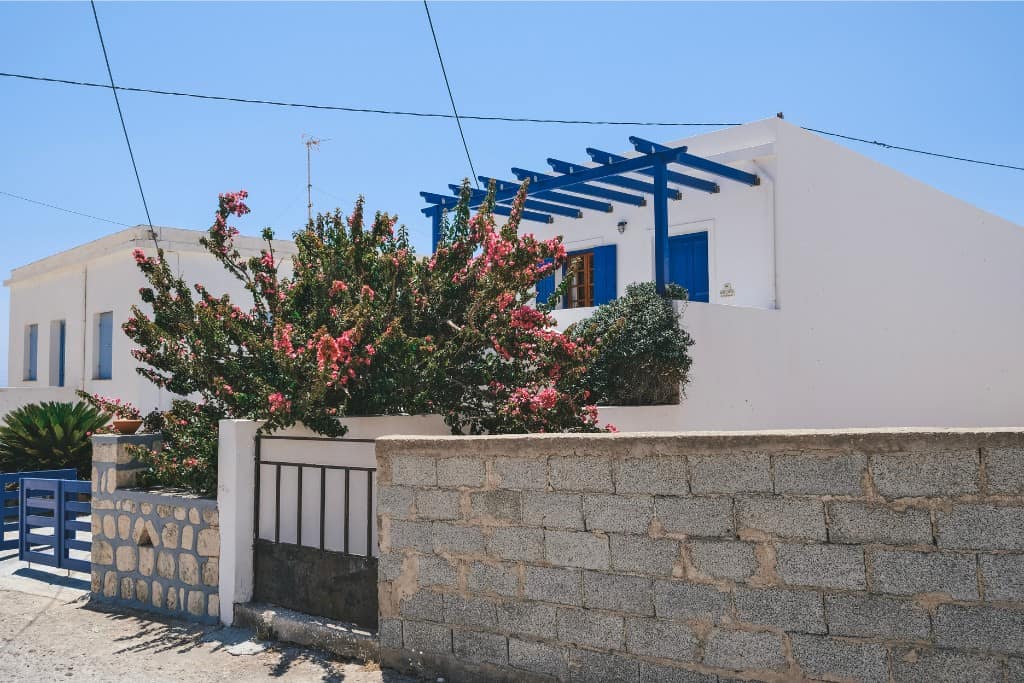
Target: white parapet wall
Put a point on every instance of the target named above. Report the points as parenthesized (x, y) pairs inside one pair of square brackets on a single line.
[(12, 398)]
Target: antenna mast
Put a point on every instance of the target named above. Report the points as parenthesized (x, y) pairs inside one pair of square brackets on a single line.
[(310, 143)]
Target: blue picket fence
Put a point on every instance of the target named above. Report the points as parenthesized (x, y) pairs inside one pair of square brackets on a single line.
[(10, 505), (54, 506)]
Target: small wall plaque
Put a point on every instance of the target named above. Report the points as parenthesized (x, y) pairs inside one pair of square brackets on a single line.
[(727, 290)]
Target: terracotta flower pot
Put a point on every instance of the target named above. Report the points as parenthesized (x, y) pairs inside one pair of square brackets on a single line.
[(127, 426)]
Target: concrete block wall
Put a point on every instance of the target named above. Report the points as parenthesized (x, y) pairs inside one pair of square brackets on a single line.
[(151, 550), (866, 555)]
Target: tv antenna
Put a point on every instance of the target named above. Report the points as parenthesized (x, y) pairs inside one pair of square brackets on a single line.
[(310, 143)]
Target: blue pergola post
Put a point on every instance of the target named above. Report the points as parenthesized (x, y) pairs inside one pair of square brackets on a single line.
[(435, 226), (660, 225)]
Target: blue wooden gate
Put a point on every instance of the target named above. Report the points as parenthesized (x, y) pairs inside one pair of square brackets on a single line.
[(54, 506), (10, 507)]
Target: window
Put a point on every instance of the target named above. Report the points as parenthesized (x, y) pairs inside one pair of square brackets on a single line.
[(581, 290), (688, 264), (104, 346), (31, 353), (58, 351)]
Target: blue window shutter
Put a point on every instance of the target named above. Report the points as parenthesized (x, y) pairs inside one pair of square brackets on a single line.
[(545, 287), (62, 353), (688, 264), (106, 346), (33, 352), (605, 277)]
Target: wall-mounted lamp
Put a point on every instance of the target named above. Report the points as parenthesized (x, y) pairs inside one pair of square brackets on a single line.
[(622, 226)]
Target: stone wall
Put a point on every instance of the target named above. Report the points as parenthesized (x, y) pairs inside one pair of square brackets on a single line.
[(151, 550), (870, 556)]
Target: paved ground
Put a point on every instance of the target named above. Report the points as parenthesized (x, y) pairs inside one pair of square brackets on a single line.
[(50, 633)]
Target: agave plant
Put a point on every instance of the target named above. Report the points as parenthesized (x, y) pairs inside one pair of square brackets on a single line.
[(50, 435)]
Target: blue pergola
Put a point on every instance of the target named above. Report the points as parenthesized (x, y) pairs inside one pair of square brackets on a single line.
[(574, 188)]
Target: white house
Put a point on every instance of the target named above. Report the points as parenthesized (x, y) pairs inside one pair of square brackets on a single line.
[(67, 309)]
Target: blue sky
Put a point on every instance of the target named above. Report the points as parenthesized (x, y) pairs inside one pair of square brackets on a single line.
[(944, 77)]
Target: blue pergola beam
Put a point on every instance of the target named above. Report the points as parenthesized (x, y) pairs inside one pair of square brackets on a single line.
[(566, 168), (701, 164), (560, 197), (601, 157), (443, 202), (581, 187), (478, 196)]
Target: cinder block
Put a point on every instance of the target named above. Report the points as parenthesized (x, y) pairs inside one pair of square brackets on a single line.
[(696, 515), (723, 559), (821, 657), (425, 637), (665, 475), (660, 673), (682, 600), (910, 573), (396, 501), (981, 527), (902, 475), (853, 522), (521, 474), (618, 593), (413, 470), (516, 544), (436, 571), (389, 566), (825, 566), (580, 473), (790, 610), (643, 555), (819, 475), (437, 504), (422, 606), (983, 628), (479, 612), (504, 506), (1004, 469), (874, 616), (624, 514), (1003, 576), (455, 472), (501, 579), (576, 549), (474, 646), (782, 517), (415, 535), (553, 510), (389, 632), (926, 664), (741, 473), (744, 650), (590, 628), (587, 666), (527, 619), (662, 639), (457, 539), (551, 584), (538, 658)]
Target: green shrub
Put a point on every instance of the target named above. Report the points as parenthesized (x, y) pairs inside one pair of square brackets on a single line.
[(49, 436), (643, 354)]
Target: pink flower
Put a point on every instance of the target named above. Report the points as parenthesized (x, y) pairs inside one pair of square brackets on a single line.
[(278, 403)]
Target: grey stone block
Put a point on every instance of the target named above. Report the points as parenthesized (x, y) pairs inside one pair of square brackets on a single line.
[(580, 473), (527, 619), (553, 510), (521, 474), (454, 472), (436, 571), (902, 475), (389, 566), (396, 501), (643, 555), (983, 628), (551, 584), (389, 633), (981, 527), (590, 628), (452, 538), (479, 612), (1003, 577), (423, 606), (665, 475), (437, 504), (820, 656), (853, 522), (502, 579), (741, 473), (415, 535), (662, 639), (874, 616), (789, 610), (682, 600), (504, 506), (475, 646), (945, 666), (825, 566), (1004, 469), (723, 559), (413, 470), (576, 549), (625, 514), (538, 658), (696, 516), (819, 475), (586, 666), (782, 517), (744, 650), (618, 593), (425, 637), (516, 544), (1014, 670), (660, 673), (910, 573)]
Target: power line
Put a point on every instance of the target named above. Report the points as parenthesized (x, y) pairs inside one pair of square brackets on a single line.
[(509, 119), (61, 208), (451, 97), (120, 114)]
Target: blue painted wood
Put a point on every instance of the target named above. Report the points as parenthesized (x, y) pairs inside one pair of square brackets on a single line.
[(605, 275), (713, 167), (560, 197), (602, 157), (59, 498), (566, 167), (688, 264), (581, 187), (32, 371), (661, 260), (11, 505), (61, 351), (548, 207), (546, 287), (104, 369)]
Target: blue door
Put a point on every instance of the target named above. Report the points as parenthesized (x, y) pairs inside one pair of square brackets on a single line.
[(688, 264)]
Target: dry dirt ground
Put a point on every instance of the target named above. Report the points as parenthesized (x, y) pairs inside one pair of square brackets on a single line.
[(48, 632)]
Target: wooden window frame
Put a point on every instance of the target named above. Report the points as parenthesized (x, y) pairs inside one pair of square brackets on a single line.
[(580, 293)]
